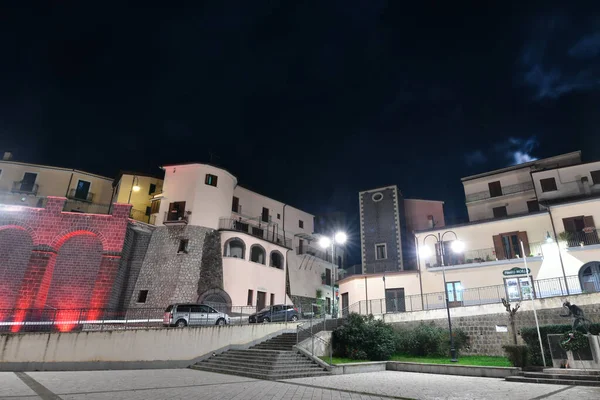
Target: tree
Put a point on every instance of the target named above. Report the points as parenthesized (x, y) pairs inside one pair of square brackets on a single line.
[(511, 317)]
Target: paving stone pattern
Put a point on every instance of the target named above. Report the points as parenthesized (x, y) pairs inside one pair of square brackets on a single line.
[(190, 384)]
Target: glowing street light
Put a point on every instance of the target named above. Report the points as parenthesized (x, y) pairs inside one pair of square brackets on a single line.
[(325, 242)]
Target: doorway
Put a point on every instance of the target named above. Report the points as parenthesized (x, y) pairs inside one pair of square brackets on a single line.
[(394, 300), (261, 300), (345, 304)]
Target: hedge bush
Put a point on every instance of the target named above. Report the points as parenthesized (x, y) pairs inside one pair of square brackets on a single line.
[(518, 355), (530, 337), (428, 340), (364, 338)]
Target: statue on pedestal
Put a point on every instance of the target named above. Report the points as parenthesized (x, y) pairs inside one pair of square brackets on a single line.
[(578, 316)]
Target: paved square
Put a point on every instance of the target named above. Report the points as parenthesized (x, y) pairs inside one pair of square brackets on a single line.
[(191, 384)]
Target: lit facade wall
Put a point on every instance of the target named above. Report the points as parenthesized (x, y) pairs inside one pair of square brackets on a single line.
[(576, 180), (140, 200)]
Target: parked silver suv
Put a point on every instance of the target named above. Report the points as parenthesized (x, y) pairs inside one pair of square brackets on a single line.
[(181, 315)]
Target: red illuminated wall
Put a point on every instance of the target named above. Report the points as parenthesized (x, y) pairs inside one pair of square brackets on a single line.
[(55, 259)]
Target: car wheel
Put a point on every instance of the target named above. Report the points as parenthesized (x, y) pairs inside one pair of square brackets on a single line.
[(220, 322), (266, 321), (181, 323), (294, 318)]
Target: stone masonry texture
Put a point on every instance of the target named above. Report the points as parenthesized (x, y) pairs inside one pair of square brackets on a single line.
[(51, 256), (481, 329), (379, 226), (168, 276)]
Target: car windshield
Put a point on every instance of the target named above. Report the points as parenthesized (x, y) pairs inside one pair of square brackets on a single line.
[(265, 309)]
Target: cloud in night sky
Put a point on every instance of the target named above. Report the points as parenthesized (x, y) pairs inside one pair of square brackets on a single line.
[(555, 61), (512, 151)]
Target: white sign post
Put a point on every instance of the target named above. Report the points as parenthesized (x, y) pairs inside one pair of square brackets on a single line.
[(537, 325)]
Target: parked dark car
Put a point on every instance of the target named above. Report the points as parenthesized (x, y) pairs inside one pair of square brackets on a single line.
[(275, 313)]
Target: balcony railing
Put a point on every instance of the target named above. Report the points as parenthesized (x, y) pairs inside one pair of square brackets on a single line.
[(175, 218), (479, 256), (256, 229), (25, 188), (510, 189), (73, 195), (319, 253), (575, 239), (86, 207)]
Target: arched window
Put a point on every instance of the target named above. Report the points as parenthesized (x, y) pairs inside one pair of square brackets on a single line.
[(589, 277), (257, 254), (235, 247), (276, 259)]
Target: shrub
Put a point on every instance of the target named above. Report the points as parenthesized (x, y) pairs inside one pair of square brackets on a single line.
[(428, 340), (364, 338), (530, 337), (518, 355)]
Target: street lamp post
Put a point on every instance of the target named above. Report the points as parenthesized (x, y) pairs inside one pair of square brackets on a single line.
[(325, 242), (134, 187), (457, 247)]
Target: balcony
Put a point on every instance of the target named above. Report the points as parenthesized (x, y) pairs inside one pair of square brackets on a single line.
[(175, 217), (74, 195), (256, 229), (506, 190), (25, 187), (481, 256), (312, 251), (579, 239)]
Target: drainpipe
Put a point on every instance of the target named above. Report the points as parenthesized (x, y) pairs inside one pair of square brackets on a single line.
[(69, 185), (283, 224), (562, 265)]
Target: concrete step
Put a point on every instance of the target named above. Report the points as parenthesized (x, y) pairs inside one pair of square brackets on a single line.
[(255, 357), (571, 371), (261, 351), (562, 381), (255, 375), (277, 366), (544, 375), (267, 347)]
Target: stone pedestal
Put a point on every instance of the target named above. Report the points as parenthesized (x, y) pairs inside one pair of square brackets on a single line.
[(584, 359)]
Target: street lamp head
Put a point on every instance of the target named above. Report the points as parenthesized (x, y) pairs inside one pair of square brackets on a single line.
[(425, 252), (458, 246), (136, 188), (340, 238), (325, 242), (548, 237)]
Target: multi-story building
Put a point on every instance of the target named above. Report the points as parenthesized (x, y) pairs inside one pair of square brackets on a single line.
[(218, 242), (139, 190), (556, 239), (387, 221), (30, 184), (509, 191)]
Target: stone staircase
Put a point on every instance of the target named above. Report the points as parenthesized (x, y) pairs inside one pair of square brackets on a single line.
[(559, 376), (273, 359)]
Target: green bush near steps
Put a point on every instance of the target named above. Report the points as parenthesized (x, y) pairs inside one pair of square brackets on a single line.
[(518, 355), (364, 338)]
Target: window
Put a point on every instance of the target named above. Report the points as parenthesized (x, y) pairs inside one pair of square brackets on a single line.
[(394, 300), (272, 298), (184, 308), (430, 223), (495, 189), (211, 180), (300, 224), (595, 177), (176, 211), (508, 245), (152, 189), (455, 295), (257, 254), (0, 173), (328, 300), (250, 297), (235, 204), (278, 216), (377, 197), (82, 190), (533, 206), (28, 182), (548, 184), (148, 210), (327, 276), (235, 248), (183, 246), (155, 207), (142, 296), (276, 259), (265, 215), (381, 251), (500, 212)]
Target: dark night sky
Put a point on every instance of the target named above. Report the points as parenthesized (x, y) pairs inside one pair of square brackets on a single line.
[(306, 103)]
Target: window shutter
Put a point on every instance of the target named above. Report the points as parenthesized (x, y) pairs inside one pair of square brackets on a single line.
[(588, 222), (569, 224), (438, 255), (498, 247), (523, 237)]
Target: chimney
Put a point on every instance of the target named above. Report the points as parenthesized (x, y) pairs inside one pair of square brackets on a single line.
[(586, 186), (7, 156)]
